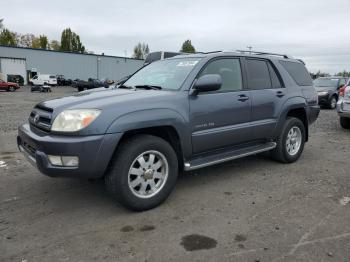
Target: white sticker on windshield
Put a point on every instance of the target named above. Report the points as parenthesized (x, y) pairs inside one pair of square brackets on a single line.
[(187, 63)]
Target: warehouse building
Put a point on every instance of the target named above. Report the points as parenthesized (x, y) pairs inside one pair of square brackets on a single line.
[(28, 62)]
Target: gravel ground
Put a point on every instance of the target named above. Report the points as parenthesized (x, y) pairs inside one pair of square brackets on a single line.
[(251, 209)]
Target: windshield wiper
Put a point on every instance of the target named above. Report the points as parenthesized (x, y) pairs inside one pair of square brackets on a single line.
[(127, 87), (148, 87)]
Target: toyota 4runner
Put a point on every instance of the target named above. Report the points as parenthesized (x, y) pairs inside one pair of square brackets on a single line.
[(181, 113)]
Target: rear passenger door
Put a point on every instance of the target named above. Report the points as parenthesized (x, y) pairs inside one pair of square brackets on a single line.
[(267, 94)]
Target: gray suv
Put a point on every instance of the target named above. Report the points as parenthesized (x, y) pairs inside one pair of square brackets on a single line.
[(181, 113)]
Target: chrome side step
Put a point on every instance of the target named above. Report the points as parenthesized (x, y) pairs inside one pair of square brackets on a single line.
[(227, 156)]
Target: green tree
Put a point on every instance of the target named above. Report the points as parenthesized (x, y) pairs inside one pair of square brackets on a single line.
[(1, 24), (187, 47), (55, 45), (43, 42), (343, 74), (70, 41), (141, 51), (35, 43), (8, 38)]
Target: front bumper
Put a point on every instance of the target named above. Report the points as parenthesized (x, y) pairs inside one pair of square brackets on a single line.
[(342, 112), (94, 152), (323, 100)]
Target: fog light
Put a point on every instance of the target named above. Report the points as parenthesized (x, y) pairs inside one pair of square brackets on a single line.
[(55, 160), (70, 160)]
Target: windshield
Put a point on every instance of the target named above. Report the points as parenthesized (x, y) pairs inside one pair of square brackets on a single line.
[(326, 82), (167, 74)]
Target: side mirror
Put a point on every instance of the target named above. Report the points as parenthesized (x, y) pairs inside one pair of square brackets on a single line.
[(206, 83)]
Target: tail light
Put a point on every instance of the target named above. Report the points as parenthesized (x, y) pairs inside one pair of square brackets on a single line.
[(342, 91)]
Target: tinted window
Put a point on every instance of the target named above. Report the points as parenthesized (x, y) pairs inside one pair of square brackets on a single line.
[(230, 71), (276, 83), (153, 57), (298, 72), (258, 74), (170, 54), (52, 76)]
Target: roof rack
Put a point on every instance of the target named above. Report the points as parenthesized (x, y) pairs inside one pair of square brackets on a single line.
[(263, 53), (211, 52)]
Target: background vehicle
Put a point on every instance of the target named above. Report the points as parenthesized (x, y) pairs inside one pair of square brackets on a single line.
[(43, 80), (16, 79), (8, 86), (185, 112), (343, 107), (62, 81), (40, 88), (160, 55), (328, 90), (82, 85)]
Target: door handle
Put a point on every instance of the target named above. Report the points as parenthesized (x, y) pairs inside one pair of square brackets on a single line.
[(243, 98), (279, 94)]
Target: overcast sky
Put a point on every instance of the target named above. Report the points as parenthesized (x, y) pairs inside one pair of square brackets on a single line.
[(314, 30)]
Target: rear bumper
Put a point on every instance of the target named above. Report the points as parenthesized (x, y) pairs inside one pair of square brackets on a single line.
[(94, 152)]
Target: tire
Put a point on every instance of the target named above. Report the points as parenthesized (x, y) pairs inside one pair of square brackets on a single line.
[(119, 181), (11, 89), (80, 89), (281, 152), (332, 102), (345, 122)]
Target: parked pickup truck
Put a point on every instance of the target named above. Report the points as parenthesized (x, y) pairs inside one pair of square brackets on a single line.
[(82, 85), (181, 113)]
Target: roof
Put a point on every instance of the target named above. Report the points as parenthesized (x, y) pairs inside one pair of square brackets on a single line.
[(68, 52)]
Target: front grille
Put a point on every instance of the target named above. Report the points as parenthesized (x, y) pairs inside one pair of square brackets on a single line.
[(41, 117)]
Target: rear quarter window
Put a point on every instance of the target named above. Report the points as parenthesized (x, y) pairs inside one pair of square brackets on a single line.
[(298, 72)]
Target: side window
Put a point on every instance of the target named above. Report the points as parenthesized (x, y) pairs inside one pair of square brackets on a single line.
[(258, 74), (276, 83), (342, 82), (298, 72), (230, 71)]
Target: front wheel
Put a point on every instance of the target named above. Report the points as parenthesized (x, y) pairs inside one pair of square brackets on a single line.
[(332, 102), (345, 122), (143, 172), (290, 143), (12, 89)]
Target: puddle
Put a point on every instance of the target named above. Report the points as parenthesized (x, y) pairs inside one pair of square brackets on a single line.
[(198, 242), (147, 228), (126, 229), (344, 201)]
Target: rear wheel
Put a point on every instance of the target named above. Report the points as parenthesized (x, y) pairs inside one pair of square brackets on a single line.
[(290, 143), (143, 172), (345, 122), (12, 89)]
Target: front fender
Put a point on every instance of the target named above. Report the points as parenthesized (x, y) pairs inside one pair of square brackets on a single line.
[(153, 118)]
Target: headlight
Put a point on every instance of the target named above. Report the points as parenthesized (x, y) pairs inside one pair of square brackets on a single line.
[(323, 93), (74, 120)]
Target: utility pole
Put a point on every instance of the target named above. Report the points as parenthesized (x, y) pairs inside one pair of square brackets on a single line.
[(250, 48)]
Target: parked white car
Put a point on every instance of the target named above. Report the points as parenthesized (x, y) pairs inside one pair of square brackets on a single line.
[(343, 106), (43, 80)]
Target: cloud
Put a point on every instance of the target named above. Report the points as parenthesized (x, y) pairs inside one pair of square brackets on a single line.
[(313, 30)]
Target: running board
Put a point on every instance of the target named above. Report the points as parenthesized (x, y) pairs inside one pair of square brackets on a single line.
[(227, 156)]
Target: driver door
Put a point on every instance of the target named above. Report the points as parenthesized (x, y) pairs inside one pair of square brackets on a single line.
[(221, 118)]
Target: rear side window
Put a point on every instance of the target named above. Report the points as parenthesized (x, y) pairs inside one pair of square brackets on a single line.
[(258, 74), (298, 72)]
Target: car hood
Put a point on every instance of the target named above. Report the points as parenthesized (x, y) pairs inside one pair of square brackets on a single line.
[(107, 98), (324, 88)]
